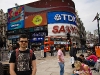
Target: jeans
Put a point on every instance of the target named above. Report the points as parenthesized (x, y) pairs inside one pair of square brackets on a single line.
[(42, 53), (61, 68), (91, 63)]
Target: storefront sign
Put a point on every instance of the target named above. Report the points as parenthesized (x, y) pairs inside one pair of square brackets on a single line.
[(13, 36), (59, 42), (61, 17)]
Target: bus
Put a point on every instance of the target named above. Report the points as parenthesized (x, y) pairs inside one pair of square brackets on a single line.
[(55, 41), (48, 41)]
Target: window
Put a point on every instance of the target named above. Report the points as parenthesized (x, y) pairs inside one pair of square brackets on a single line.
[(46, 39), (51, 39)]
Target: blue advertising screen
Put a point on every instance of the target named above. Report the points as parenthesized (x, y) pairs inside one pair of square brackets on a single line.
[(61, 17)]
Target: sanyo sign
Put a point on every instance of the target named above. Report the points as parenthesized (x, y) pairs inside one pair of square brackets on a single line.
[(61, 17)]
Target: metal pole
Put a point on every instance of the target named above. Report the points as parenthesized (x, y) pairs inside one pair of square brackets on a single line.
[(98, 30)]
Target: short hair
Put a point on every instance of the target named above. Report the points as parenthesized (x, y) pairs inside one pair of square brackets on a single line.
[(82, 55), (60, 46), (79, 59), (23, 36)]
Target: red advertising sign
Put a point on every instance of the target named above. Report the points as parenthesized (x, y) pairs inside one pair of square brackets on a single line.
[(35, 20), (62, 30)]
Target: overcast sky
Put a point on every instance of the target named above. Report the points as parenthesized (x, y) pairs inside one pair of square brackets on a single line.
[(87, 10)]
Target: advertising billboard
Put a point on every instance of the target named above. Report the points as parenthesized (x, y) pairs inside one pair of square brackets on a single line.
[(62, 29), (35, 20), (61, 17), (15, 18)]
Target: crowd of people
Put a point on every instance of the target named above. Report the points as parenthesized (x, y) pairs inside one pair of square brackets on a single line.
[(81, 64), (21, 59)]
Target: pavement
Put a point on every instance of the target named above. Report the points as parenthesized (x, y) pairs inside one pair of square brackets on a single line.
[(49, 65)]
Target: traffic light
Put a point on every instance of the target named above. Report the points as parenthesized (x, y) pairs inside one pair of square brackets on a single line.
[(68, 35)]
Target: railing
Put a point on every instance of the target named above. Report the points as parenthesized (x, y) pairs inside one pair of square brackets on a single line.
[(4, 64), (4, 56)]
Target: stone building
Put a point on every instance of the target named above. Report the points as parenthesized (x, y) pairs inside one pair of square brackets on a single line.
[(3, 27)]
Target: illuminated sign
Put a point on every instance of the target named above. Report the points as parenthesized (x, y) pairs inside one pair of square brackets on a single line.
[(35, 20), (61, 17), (62, 30)]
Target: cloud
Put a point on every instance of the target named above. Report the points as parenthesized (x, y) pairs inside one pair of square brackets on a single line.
[(87, 10)]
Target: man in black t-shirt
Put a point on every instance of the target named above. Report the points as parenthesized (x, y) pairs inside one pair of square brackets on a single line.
[(24, 64)]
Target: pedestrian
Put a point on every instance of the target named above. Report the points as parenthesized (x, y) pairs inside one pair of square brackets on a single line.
[(60, 56), (92, 59), (81, 68), (72, 53), (42, 51), (81, 56), (22, 60), (51, 50)]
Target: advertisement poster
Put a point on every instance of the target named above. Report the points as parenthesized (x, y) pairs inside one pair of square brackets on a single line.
[(15, 18), (62, 29), (35, 20), (61, 17)]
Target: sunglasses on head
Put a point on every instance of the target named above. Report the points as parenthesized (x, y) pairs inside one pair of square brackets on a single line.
[(24, 41)]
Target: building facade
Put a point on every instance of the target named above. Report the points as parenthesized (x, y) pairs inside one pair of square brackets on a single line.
[(45, 18), (3, 27), (42, 17)]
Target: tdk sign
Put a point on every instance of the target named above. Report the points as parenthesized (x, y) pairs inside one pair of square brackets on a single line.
[(61, 17)]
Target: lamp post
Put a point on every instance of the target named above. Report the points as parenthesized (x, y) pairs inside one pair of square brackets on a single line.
[(98, 29), (97, 18)]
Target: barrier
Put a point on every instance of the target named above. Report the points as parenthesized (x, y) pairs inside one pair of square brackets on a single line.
[(4, 65), (1, 69), (97, 50)]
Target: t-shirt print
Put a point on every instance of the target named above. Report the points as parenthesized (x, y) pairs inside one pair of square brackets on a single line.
[(23, 62)]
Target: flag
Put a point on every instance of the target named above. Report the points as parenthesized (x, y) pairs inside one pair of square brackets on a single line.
[(96, 17)]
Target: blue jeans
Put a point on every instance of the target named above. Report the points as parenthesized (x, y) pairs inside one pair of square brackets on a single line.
[(61, 68), (91, 63)]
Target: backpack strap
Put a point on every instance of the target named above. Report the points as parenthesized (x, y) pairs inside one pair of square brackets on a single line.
[(31, 54), (17, 53)]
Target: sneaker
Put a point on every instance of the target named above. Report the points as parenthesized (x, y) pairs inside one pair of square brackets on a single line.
[(97, 70)]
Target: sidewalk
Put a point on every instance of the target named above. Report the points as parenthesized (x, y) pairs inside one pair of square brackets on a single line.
[(49, 66)]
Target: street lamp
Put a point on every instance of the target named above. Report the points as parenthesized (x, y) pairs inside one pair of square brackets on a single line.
[(97, 18)]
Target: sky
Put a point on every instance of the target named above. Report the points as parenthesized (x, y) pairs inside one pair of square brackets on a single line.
[(87, 10)]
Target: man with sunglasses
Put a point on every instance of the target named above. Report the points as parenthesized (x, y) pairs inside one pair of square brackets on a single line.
[(24, 65)]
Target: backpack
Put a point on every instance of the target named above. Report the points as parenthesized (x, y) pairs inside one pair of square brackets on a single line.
[(17, 53)]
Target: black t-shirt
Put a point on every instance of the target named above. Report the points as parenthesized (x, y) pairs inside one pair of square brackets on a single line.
[(23, 64)]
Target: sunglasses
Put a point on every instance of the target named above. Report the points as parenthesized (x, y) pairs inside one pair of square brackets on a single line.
[(23, 41)]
